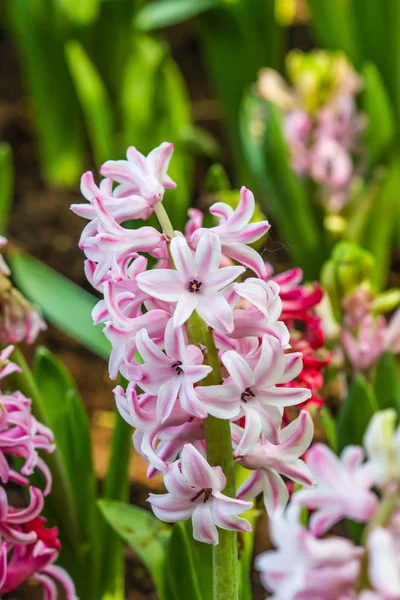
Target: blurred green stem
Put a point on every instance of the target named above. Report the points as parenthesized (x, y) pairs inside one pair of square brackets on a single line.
[(219, 447)]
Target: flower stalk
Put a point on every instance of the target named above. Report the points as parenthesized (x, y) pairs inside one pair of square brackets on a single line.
[(218, 445)]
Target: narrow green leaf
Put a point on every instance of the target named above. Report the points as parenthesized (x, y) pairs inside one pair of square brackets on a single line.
[(387, 383), (165, 13), (6, 183), (355, 413), (66, 416), (145, 534), (327, 422), (269, 160), (334, 27), (180, 570), (40, 33), (116, 487), (63, 303), (80, 12), (377, 106), (94, 100)]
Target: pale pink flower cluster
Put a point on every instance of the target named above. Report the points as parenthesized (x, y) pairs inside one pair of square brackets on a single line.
[(148, 313), (19, 320), (27, 548), (364, 336), (323, 145), (309, 564)]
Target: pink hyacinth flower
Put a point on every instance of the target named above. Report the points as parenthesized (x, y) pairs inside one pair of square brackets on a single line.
[(331, 164), (303, 567), (145, 176), (235, 231), (172, 373), (196, 284), (366, 347), (269, 461), (343, 488), (384, 563), (194, 491), (253, 393)]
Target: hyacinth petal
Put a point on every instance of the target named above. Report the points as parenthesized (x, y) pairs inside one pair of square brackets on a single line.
[(230, 522), (323, 520), (170, 508), (164, 284), (195, 373), (247, 256), (275, 491), (167, 397), (183, 258), (186, 305), (293, 367), (204, 528), (196, 469), (352, 457), (174, 341), (252, 486), (384, 570), (223, 277), (244, 210), (238, 369), (221, 401), (284, 396), (297, 471), (251, 432), (208, 254), (190, 402), (158, 160), (216, 312), (324, 464), (149, 351), (296, 437), (35, 507), (271, 363)]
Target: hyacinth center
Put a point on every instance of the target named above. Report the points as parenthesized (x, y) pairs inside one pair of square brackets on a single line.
[(207, 495), (177, 367), (246, 395), (194, 286)]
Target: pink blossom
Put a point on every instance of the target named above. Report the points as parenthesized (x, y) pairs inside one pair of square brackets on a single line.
[(173, 373), (366, 346), (269, 461), (392, 333), (196, 284), (343, 488), (194, 491), (253, 393), (384, 563), (235, 231), (303, 567), (143, 176)]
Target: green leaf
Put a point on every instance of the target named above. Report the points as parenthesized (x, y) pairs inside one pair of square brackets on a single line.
[(63, 303), (334, 26), (355, 413), (116, 487), (145, 534), (269, 160), (180, 570), (165, 13), (6, 183), (40, 33), (80, 12), (381, 122), (387, 383), (66, 416), (324, 417), (94, 100)]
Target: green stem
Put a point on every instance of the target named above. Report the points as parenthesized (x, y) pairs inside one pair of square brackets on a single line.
[(61, 494), (218, 446)]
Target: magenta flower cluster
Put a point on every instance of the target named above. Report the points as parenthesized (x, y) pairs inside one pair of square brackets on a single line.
[(146, 313), (27, 548)]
